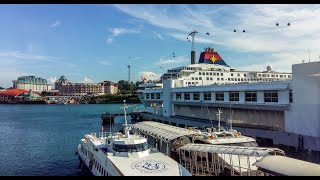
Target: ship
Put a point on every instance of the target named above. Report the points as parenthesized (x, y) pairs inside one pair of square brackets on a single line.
[(125, 154)]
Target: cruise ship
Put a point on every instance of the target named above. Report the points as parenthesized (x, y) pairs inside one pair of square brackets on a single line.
[(279, 106), (127, 154)]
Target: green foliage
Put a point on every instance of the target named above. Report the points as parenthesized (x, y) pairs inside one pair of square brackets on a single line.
[(128, 88)]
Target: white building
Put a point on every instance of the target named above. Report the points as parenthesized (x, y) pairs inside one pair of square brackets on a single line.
[(31, 82)]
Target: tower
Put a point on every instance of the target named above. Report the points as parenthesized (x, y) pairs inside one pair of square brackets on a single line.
[(129, 72), (193, 48)]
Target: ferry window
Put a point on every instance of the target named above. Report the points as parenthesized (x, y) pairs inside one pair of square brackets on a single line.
[(254, 75), (186, 96), (152, 95), (178, 96), (221, 79), (131, 147), (228, 79), (217, 74), (203, 73), (281, 76), (285, 76), (235, 79), (290, 96), (272, 75), (244, 75), (251, 96), (218, 79), (158, 95), (221, 74), (196, 96), (214, 74), (192, 78), (234, 96), (231, 79), (259, 75), (211, 74), (192, 83), (268, 75), (200, 78), (238, 75), (148, 96), (189, 83), (208, 78), (241, 79), (207, 96), (207, 73), (263, 75), (219, 96), (271, 96), (289, 76), (211, 78), (277, 75), (238, 79), (196, 78), (199, 73)]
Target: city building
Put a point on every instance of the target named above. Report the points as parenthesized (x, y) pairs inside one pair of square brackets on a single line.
[(31, 82), (110, 87), (12, 95)]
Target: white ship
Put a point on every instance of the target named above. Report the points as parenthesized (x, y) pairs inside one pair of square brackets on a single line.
[(128, 154)]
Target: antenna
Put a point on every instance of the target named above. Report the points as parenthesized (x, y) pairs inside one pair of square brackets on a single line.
[(129, 66), (218, 114)]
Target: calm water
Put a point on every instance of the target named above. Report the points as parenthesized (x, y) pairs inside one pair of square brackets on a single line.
[(42, 139)]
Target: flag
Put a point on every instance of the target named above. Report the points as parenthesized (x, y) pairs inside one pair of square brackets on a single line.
[(103, 128)]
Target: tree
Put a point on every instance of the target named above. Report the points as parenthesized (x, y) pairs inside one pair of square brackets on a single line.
[(1, 87)]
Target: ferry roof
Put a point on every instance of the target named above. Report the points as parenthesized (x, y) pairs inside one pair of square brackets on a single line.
[(235, 150), (164, 131), (288, 166)]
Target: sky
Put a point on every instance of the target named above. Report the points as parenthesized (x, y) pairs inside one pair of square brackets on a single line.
[(96, 42)]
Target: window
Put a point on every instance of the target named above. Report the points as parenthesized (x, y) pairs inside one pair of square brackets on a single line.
[(199, 73), (221, 74), (207, 73), (234, 96), (221, 79), (186, 96), (200, 78), (289, 76), (207, 96), (244, 75), (238, 75), (271, 96), (211, 78), (218, 79), (178, 96), (158, 95), (152, 95), (231, 74), (281, 76), (148, 96), (208, 78), (251, 96), (217, 74), (196, 96), (228, 79), (196, 78), (203, 73), (290, 96), (211, 74), (214, 74), (192, 78), (219, 96)]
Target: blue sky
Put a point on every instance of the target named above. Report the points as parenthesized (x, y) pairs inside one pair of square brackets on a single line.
[(92, 43)]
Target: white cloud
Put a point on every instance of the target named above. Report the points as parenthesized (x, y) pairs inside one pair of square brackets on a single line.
[(105, 63), (158, 35), (118, 31), (174, 60), (149, 75), (55, 24), (87, 80), (52, 80), (25, 56), (286, 45), (109, 40)]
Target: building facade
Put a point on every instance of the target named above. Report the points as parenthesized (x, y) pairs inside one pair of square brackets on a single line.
[(31, 82), (110, 87), (19, 95)]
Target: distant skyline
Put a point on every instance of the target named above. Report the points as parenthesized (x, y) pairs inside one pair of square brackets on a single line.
[(93, 43)]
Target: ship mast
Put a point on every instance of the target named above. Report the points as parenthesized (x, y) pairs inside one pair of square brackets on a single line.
[(126, 130)]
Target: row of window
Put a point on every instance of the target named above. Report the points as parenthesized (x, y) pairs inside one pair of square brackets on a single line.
[(250, 96), (233, 79), (245, 75), (100, 168), (152, 95)]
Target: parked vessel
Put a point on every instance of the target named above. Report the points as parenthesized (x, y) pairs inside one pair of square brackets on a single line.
[(125, 154)]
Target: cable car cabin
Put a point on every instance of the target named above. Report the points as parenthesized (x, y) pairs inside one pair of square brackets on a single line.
[(285, 166)]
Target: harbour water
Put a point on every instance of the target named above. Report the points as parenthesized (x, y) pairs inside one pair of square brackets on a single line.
[(41, 140)]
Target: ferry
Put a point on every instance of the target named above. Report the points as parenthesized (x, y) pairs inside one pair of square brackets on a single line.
[(125, 154)]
